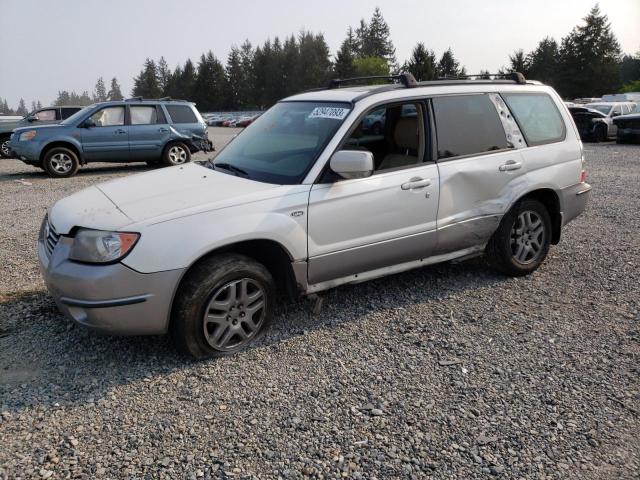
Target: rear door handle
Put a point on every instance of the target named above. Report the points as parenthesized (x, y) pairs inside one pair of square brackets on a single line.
[(510, 165), (120, 131), (163, 130), (415, 183)]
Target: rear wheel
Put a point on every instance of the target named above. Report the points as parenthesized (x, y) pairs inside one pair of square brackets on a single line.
[(224, 304), (176, 154), (522, 240), (5, 151), (60, 162), (601, 134)]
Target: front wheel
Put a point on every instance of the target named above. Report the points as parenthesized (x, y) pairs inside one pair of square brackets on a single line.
[(176, 154), (5, 151), (60, 162), (224, 304), (522, 240)]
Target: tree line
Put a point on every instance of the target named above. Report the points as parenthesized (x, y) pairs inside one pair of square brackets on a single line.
[(587, 62)]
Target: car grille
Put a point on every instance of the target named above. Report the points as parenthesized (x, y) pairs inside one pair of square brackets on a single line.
[(51, 239)]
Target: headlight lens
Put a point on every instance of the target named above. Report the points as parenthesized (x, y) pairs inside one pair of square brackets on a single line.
[(97, 246), (24, 136)]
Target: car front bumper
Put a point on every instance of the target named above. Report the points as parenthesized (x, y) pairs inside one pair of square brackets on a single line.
[(27, 151), (111, 299)]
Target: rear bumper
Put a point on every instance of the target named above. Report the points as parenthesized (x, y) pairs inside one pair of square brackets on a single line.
[(574, 201), (111, 299)]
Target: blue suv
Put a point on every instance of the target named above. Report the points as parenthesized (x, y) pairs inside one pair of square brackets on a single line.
[(161, 131)]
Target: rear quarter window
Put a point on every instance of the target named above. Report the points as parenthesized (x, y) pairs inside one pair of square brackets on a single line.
[(537, 116), (467, 125), (181, 114)]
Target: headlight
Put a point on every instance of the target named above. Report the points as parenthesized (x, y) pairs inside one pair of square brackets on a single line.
[(24, 136), (97, 246)]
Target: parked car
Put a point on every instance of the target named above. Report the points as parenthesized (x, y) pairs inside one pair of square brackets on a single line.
[(628, 126), (594, 120), (245, 121), (298, 204), (134, 130), (42, 116)]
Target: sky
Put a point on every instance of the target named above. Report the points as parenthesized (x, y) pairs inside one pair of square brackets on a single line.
[(52, 45)]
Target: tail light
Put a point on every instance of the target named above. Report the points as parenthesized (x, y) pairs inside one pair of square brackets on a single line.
[(583, 176)]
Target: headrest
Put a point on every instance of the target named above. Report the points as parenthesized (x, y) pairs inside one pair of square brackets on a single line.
[(406, 133)]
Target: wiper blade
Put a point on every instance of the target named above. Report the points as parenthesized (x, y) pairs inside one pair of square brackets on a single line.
[(230, 168)]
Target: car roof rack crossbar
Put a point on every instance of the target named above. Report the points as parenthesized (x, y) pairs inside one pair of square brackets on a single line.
[(405, 79), (514, 76)]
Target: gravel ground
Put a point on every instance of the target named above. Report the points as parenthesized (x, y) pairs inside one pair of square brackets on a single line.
[(450, 371)]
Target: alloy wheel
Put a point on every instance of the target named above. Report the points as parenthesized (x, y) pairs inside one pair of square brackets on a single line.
[(234, 314), (4, 147), (177, 155), (528, 236), (61, 163)]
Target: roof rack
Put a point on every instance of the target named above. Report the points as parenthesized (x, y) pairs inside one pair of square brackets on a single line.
[(163, 99), (405, 79), (514, 76)]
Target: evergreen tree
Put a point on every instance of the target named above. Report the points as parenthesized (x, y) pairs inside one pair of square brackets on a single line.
[(484, 75), (630, 68), (114, 91), (519, 62), (38, 105), (233, 78), (448, 66), (589, 58), (246, 88), (378, 40), (209, 84), (63, 98), (314, 67), (422, 63), (100, 91), (343, 66), (172, 88), (187, 81), (85, 99), (22, 108), (146, 83), (288, 64), (163, 73), (33, 105), (543, 62)]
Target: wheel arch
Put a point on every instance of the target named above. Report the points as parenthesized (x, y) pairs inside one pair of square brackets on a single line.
[(273, 255), (63, 144), (550, 199)]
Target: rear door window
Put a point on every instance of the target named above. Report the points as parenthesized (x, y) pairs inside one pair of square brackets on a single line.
[(537, 116), (144, 115), (181, 114), (467, 125)]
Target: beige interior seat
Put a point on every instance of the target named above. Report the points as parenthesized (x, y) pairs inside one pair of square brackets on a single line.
[(407, 142)]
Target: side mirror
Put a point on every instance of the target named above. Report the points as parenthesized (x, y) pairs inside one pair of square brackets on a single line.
[(88, 123), (352, 163), (32, 118)]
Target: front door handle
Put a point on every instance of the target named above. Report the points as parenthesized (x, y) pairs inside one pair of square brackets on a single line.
[(120, 131), (415, 183), (163, 130), (510, 165)]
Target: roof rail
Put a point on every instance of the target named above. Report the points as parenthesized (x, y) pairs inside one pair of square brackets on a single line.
[(515, 76), (134, 99), (163, 99), (405, 79)]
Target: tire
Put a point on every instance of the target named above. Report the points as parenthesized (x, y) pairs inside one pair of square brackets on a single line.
[(223, 304), (600, 134), (5, 151), (522, 240), (176, 154), (60, 162)]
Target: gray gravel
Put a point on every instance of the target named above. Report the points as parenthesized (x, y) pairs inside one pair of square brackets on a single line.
[(448, 371)]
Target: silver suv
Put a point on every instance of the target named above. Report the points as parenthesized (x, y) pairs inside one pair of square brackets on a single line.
[(307, 198)]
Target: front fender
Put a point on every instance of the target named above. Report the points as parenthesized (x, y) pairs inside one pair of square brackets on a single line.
[(63, 139), (178, 243)]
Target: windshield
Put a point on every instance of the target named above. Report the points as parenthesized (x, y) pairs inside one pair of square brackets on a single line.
[(76, 116), (282, 144), (601, 108), (636, 109)]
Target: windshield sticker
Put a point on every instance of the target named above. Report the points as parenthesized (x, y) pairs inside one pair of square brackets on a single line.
[(334, 113)]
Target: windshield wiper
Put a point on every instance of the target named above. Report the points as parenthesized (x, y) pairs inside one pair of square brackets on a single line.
[(231, 168)]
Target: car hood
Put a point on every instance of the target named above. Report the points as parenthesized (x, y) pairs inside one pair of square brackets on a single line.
[(47, 126), (181, 190), (154, 197), (630, 116)]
